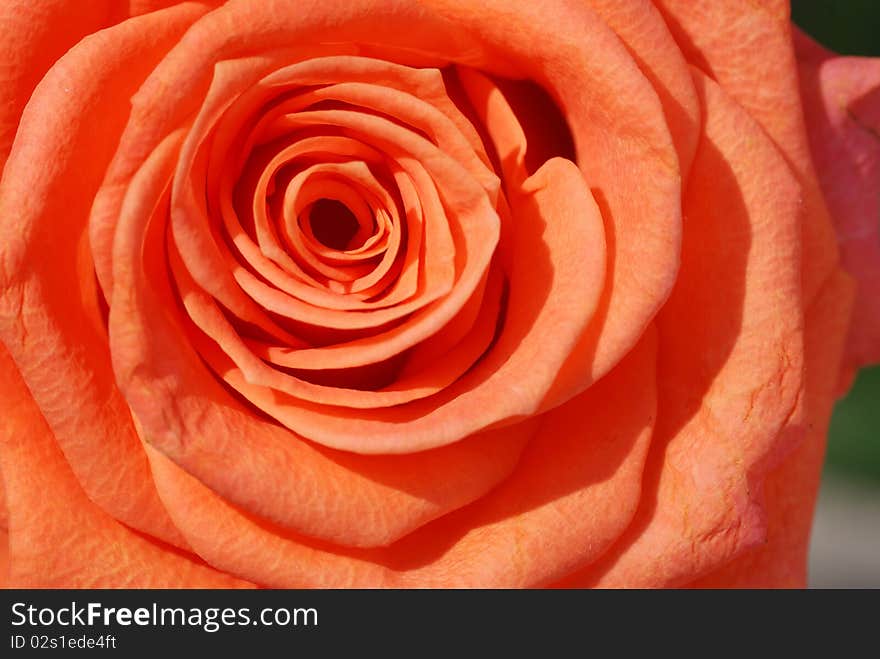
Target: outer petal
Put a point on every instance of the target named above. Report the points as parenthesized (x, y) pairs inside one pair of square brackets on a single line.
[(35, 33), (4, 558), (842, 108), (57, 537), (642, 29), (4, 532), (735, 42), (730, 360), (575, 490), (50, 318), (790, 491)]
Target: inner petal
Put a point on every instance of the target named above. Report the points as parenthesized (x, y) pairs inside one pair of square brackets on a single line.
[(373, 221)]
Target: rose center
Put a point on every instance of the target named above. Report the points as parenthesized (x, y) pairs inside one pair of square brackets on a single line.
[(333, 224)]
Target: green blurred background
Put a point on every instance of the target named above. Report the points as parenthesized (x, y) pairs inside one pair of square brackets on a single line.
[(845, 545), (850, 27)]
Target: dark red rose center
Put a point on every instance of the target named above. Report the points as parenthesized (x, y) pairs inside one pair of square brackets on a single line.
[(333, 224)]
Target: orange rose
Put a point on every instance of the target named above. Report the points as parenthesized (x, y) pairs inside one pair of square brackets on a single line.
[(436, 293)]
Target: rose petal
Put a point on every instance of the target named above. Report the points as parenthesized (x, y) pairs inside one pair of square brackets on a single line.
[(730, 360), (4, 558), (33, 35), (644, 220), (272, 473), (641, 27), (276, 392), (49, 308), (733, 42), (574, 491), (438, 272), (842, 109), (4, 522), (790, 491), (385, 431), (57, 537)]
